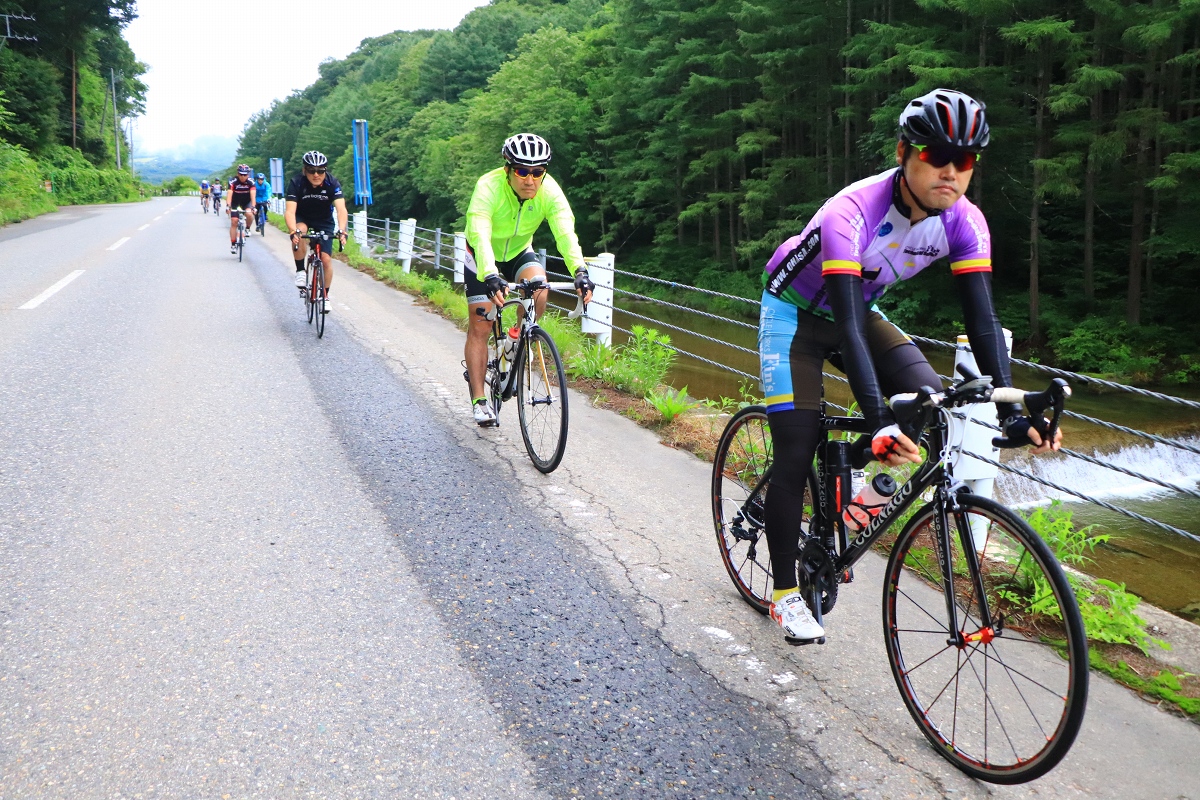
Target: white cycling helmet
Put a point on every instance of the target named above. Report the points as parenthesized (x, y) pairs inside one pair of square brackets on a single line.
[(526, 150), (315, 158)]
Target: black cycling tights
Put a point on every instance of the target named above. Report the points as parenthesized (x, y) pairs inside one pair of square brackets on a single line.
[(795, 435)]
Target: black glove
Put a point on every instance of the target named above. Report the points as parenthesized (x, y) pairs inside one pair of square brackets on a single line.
[(1016, 431), (583, 284), (494, 284)]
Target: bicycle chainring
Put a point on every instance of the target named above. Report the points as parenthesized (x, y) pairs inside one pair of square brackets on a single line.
[(816, 574)]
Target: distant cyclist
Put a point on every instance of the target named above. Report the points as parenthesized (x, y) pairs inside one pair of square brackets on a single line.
[(818, 300), (262, 194), (205, 191), (507, 207), (311, 200), (241, 196), (217, 191)]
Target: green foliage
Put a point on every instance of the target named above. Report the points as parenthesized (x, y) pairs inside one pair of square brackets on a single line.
[(1166, 685), (670, 402), (642, 362), (23, 196), (1105, 346), (76, 181), (692, 136), (180, 185), (1107, 609)]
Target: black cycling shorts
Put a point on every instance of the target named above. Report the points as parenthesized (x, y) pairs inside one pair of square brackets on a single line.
[(510, 270)]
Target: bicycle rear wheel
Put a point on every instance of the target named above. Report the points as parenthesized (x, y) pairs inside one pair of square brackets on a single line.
[(1004, 702), (542, 401), (741, 470), (241, 241)]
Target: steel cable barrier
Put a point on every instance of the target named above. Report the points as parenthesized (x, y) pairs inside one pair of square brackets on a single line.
[(436, 248)]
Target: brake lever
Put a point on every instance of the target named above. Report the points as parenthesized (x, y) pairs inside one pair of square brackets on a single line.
[(1054, 398)]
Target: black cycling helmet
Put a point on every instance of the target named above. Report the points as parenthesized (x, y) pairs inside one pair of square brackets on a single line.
[(315, 158), (526, 150), (946, 117)]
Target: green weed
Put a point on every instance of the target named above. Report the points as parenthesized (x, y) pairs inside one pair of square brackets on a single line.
[(670, 403)]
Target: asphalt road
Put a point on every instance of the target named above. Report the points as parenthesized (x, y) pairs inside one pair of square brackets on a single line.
[(238, 561)]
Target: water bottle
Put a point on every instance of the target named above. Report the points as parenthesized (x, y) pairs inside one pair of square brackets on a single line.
[(510, 343), (869, 502)]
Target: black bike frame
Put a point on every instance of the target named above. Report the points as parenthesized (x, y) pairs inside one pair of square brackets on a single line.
[(833, 485)]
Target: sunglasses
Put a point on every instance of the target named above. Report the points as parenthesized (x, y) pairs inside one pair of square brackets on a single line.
[(316, 171), (938, 157), (525, 172)]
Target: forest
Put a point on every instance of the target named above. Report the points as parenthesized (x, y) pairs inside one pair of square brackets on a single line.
[(692, 136), (57, 74)]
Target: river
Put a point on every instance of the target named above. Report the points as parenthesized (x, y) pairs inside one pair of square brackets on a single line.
[(1162, 567)]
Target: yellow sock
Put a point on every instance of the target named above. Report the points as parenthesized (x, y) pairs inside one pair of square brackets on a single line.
[(779, 594)]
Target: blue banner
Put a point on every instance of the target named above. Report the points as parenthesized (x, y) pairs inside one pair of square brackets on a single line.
[(362, 165)]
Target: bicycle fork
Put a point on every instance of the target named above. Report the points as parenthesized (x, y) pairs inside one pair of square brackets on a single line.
[(945, 505)]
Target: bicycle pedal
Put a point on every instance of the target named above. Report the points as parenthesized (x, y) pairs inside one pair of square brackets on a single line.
[(848, 576), (802, 642)]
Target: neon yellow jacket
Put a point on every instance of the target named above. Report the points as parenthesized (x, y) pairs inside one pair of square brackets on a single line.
[(500, 226)]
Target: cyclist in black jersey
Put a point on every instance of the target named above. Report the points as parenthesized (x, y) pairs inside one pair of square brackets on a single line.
[(311, 200), (241, 195)]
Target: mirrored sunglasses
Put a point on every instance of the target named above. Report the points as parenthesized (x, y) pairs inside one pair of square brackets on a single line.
[(525, 172), (938, 157)]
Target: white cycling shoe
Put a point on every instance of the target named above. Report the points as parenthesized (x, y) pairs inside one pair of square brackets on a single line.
[(793, 615), (484, 416), (301, 279)]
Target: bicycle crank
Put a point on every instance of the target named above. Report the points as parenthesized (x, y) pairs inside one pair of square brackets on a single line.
[(817, 576)]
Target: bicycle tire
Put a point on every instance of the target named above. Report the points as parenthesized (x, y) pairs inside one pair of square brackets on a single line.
[(743, 458), (308, 290), (241, 243), (542, 382), (321, 300), (1041, 660)]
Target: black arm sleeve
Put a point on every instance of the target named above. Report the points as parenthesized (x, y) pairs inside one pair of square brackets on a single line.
[(850, 318), (985, 334)]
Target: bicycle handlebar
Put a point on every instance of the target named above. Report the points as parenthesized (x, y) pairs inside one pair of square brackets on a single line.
[(531, 285), (914, 410)]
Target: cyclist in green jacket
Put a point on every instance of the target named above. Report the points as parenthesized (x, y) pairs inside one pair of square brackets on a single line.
[(507, 207)]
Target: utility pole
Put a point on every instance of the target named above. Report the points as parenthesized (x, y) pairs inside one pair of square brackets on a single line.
[(8, 34), (112, 76), (74, 94)]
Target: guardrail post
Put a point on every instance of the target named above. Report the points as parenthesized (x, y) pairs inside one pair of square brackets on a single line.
[(360, 228), (437, 250), (598, 320), (460, 257), (542, 256), (404, 242), (387, 235), (967, 437)]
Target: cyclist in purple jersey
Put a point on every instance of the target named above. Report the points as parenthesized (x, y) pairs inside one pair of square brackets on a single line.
[(818, 302)]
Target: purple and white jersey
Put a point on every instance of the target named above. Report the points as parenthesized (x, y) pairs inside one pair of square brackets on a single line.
[(860, 231)]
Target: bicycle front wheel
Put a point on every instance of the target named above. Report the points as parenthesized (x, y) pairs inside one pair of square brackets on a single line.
[(1003, 701), (542, 401), (320, 299)]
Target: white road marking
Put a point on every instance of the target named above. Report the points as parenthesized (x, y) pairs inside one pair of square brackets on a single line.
[(119, 242), (156, 219), (44, 296), (147, 225)]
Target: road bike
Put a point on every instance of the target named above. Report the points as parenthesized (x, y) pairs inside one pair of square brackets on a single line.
[(261, 219), (523, 361), (204, 202), (981, 627), (217, 205), (240, 215), (313, 291)]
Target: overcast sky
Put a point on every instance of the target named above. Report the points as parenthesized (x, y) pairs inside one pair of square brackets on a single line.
[(206, 79)]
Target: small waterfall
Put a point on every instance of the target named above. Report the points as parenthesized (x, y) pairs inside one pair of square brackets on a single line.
[(1177, 467)]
